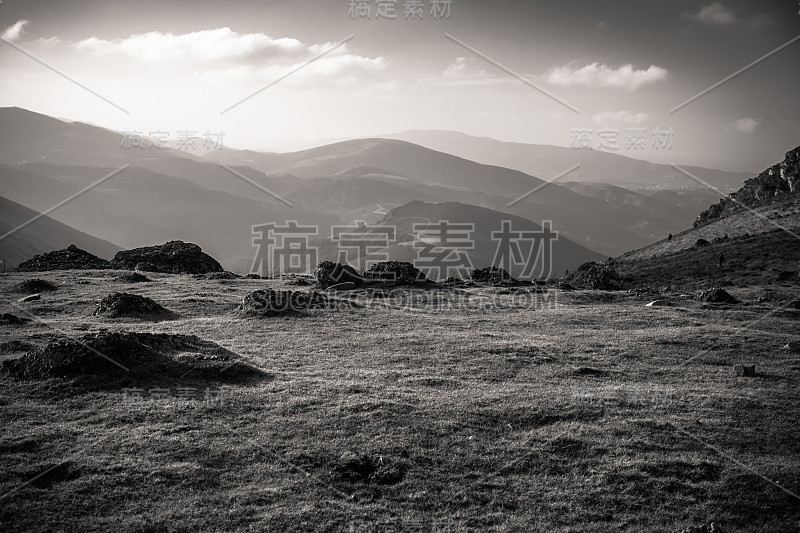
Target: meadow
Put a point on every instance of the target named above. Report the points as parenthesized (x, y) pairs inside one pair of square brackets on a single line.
[(558, 412)]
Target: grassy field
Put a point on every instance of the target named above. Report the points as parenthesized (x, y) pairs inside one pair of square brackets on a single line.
[(563, 412)]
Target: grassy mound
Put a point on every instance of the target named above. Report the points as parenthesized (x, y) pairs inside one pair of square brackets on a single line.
[(269, 303), (150, 356), (35, 285), (122, 304)]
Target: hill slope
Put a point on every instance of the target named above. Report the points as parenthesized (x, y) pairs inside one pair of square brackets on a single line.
[(43, 235)]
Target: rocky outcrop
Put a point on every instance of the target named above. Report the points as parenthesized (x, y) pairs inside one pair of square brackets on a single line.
[(775, 183), (174, 257), (398, 272), (329, 273), (70, 258)]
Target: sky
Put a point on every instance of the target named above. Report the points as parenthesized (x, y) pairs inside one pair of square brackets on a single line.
[(605, 74)]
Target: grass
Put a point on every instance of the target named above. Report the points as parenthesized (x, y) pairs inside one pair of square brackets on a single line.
[(593, 414)]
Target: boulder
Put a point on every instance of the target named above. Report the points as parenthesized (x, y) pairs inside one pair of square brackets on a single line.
[(717, 295), (793, 346), (491, 275), (660, 303), (329, 273), (398, 272), (701, 243), (598, 276), (132, 277), (70, 258), (174, 257), (29, 298)]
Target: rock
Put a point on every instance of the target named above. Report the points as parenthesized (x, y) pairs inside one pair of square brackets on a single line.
[(660, 303), (174, 257), (71, 258), (398, 272), (132, 277), (701, 243), (7, 319), (121, 304), (35, 285), (793, 346), (717, 296), (30, 298), (598, 276), (329, 273), (347, 286), (491, 275), (747, 371)]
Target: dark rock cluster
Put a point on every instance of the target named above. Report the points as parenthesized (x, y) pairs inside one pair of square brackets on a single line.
[(397, 272), (492, 274), (775, 183), (70, 258), (717, 295), (174, 257), (597, 276)]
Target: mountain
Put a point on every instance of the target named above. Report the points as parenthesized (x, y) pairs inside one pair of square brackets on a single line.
[(43, 235), (547, 162), (214, 199), (780, 181), (756, 229), (609, 228), (139, 207)]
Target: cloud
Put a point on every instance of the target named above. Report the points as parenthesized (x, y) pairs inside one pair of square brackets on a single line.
[(628, 117), (716, 13), (463, 71), (13, 32), (343, 70), (746, 125), (223, 56), (600, 75), (217, 45)]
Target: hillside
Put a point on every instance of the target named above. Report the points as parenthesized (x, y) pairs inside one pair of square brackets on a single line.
[(776, 183), (756, 230), (43, 235)]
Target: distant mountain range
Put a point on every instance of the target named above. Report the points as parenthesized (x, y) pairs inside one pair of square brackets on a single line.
[(215, 199), (596, 166)]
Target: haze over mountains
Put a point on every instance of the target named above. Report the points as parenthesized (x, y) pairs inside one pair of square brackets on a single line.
[(596, 166), (215, 198)]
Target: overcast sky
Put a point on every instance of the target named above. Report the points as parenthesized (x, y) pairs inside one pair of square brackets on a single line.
[(176, 66)]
